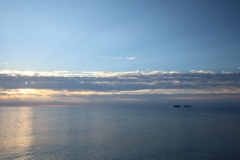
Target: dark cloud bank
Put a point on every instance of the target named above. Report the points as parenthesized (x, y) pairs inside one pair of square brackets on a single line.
[(200, 81), (221, 87)]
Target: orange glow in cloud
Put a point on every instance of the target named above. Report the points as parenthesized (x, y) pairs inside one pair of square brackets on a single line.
[(65, 96), (48, 92)]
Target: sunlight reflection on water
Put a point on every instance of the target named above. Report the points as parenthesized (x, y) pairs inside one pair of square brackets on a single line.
[(17, 131)]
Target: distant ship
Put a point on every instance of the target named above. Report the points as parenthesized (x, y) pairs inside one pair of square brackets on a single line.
[(187, 106), (176, 106)]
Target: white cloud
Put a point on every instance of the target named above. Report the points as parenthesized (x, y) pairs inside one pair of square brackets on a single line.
[(202, 71), (130, 58), (104, 57), (109, 74), (108, 57), (223, 72), (41, 73), (97, 73), (125, 74), (116, 58), (6, 64)]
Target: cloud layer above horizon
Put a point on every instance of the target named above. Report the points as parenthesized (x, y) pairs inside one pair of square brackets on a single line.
[(112, 88)]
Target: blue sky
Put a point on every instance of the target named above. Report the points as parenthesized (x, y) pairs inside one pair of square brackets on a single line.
[(118, 36)]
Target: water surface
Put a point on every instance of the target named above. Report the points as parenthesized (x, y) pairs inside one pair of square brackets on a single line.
[(117, 133)]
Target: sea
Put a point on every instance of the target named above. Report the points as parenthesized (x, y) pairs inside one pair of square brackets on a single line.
[(120, 133)]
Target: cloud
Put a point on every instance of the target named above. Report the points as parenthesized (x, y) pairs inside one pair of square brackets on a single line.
[(104, 57), (202, 71), (116, 58), (120, 81), (89, 87), (131, 58), (108, 57), (6, 64), (41, 73)]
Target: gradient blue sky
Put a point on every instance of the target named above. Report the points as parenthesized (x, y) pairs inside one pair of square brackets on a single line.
[(119, 37)]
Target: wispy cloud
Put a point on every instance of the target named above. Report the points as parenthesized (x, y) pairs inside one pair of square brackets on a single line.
[(104, 57), (131, 58), (6, 64), (41, 73), (202, 71), (116, 58)]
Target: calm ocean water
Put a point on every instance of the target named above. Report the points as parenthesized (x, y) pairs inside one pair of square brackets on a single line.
[(120, 133)]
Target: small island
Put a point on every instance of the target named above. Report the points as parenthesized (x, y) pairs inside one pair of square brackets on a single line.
[(176, 106)]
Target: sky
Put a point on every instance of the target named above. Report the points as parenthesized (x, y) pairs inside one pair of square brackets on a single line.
[(119, 52)]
